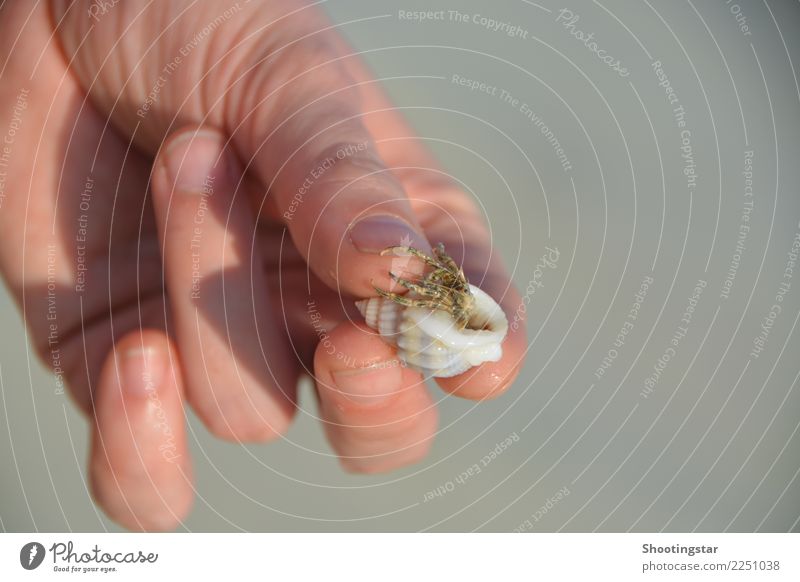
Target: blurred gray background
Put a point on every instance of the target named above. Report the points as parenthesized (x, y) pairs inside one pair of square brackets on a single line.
[(577, 155)]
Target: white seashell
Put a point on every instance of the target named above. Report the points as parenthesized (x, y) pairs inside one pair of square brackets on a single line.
[(429, 340)]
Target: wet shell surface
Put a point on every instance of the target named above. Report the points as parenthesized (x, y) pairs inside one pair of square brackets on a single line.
[(430, 341)]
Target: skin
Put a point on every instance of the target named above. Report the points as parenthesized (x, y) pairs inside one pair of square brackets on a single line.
[(262, 98)]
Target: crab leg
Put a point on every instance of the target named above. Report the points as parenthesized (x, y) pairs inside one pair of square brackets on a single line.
[(447, 261), (426, 288), (412, 302), (412, 251)]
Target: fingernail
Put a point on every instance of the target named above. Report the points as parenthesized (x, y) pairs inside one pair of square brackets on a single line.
[(372, 234), (371, 385), (192, 160), (142, 371)]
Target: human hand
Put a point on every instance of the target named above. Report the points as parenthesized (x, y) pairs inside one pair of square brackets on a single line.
[(163, 151)]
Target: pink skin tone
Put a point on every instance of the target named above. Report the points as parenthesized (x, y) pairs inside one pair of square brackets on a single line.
[(260, 102)]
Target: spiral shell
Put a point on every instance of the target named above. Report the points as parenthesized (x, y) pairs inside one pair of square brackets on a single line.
[(429, 340)]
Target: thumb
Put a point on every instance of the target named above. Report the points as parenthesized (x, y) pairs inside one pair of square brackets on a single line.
[(302, 133)]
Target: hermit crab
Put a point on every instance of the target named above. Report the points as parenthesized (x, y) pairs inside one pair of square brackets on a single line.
[(443, 325)]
